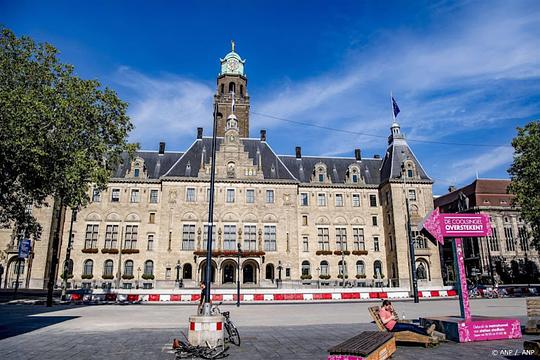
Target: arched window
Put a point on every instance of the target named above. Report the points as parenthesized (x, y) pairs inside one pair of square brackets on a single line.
[(377, 270), (242, 90), (324, 267), (88, 268), (422, 269), (222, 88), (269, 274), (232, 87), (360, 268), (149, 267), (306, 271), (108, 268), (186, 271), (342, 267), (128, 268)]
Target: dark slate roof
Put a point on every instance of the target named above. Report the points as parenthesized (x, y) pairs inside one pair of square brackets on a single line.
[(302, 168), (397, 152), (156, 165), (272, 166)]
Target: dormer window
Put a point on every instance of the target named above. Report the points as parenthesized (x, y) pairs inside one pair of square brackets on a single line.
[(231, 169), (353, 174), (138, 169), (409, 169), (136, 172), (321, 177), (355, 178), (319, 173)]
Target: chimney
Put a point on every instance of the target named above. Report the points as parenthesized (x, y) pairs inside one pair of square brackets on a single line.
[(377, 156), (451, 188), (161, 148), (298, 152), (199, 132), (357, 154), (263, 135)]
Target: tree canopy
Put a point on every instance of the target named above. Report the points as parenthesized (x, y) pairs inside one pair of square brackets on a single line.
[(525, 175), (58, 133)]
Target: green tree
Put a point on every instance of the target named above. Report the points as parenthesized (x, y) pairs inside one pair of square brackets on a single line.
[(525, 175), (58, 133)]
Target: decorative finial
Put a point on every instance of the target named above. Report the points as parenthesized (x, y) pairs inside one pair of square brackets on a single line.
[(232, 45)]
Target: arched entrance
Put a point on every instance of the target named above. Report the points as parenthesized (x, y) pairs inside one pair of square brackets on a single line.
[(228, 272), (249, 272), (269, 274), (202, 271)]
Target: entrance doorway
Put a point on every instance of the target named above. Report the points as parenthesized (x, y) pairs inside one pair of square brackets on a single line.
[(248, 273), (229, 273)]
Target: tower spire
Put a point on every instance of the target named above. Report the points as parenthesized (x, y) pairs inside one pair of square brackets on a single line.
[(232, 45)]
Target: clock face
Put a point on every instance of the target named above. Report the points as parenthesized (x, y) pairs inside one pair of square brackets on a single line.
[(232, 64)]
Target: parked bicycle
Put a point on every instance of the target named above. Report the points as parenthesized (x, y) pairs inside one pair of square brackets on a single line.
[(233, 336)]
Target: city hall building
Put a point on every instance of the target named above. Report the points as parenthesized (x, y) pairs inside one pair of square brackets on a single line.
[(304, 220)]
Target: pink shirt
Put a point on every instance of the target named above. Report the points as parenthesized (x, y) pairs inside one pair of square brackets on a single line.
[(384, 314)]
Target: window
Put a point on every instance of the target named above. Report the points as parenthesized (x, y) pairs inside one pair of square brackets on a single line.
[(321, 199), (355, 178), (523, 239), (509, 236), (324, 267), (304, 220), (205, 237), (250, 237), (229, 238), (188, 237), (412, 195), (321, 177), (305, 244), (88, 268), (115, 195), (342, 267), (207, 194), (270, 196), (150, 243), (387, 198), (111, 236), (304, 199), (86, 285), (420, 242), (136, 172), (270, 238), (409, 173), (250, 196), (358, 239), (230, 195), (130, 241), (373, 200), (96, 195), (127, 285), (324, 238), (90, 240), (341, 239), (493, 240), (149, 268), (134, 196), (186, 271), (147, 285), (339, 200), (108, 268), (305, 269), (153, 196), (152, 218), (128, 268), (360, 268), (377, 269), (287, 272), (190, 194), (421, 270), (374, 221), (356, 200), (376, 243)]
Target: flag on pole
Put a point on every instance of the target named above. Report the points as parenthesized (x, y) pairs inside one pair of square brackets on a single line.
[(395, 107)]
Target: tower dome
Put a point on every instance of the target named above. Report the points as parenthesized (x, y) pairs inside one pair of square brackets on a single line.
[(232, 63)]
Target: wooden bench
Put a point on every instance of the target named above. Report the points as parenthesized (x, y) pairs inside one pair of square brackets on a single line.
[(533, 316), (403, 336), (368, 345)]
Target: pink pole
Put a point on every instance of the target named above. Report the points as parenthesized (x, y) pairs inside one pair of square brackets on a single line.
[(462, 277)]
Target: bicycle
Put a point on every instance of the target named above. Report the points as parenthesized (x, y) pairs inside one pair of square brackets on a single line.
[(185, 350), (233, 336)]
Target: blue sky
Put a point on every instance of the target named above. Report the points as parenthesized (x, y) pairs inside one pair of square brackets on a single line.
[(461, 72)]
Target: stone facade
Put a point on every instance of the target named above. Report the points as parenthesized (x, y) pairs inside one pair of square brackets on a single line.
[(304, 220)]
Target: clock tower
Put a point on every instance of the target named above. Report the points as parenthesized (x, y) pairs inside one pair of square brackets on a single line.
[(232, 82)]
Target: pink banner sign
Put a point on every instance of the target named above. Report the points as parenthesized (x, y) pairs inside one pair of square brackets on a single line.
[(438, 225), (492, 329)]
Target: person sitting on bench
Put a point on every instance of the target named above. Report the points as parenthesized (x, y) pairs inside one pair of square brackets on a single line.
[(389, 319)]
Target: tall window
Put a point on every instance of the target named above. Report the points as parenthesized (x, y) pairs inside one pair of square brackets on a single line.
[(149, 267), (153, 196), (341, 238), (230, 195), (250, 196), (111, 236), (88, 268), (108, 268), (270, 238), (190, 194), (373, 200), (229, 237), (377, 269), (130, 241), (150, 243), (134, 196), (115, 195), (376, 244), (523, 239), (304, 220), (360, 268), (509, 237), (356, 200), (412, 195), (270, 196), (152, 218), (128, 268), (205, 237), (493, 240), (321, 199), (250, 237), (358, 239), (96, 195), (339, 200), (374, 221), (304, 199), (90, 240), (305, 244), (306, 271), (188, 237), (324, 267), (324, 238)]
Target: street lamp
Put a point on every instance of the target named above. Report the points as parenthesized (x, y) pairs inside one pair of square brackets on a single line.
[(238, 277), (178, 267), (318, 277), (138, 276), (279, 267)]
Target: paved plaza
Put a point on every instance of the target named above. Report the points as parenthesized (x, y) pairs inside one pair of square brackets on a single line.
[(284, 331)]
